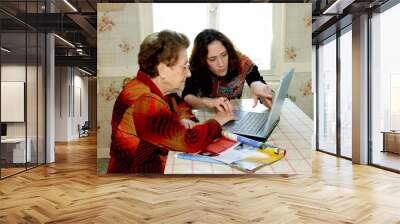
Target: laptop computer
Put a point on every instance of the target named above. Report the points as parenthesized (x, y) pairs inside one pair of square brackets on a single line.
[(259, 126)]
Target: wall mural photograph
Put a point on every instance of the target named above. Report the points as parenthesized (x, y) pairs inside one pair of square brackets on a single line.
[(193, 88)]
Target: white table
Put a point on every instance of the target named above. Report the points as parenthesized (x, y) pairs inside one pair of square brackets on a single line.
[(17, 147), (294, 133)]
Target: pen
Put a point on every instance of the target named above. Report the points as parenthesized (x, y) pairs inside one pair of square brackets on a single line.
[(251, 142)]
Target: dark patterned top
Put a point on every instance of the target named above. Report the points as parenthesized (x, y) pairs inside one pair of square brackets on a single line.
[(145, 125), (209, 85)]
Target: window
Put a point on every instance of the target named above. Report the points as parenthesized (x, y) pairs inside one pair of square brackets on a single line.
[(394, 101), (334, 106), (22, 65), (251, 38), (385, 84), (346, 94), (251, 32), (189, 19), (327, 96)]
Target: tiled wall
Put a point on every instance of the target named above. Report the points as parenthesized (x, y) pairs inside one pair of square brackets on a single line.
[(117, 48), (119, 38), (297, 51)]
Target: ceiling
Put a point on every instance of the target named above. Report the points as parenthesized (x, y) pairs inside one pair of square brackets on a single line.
[(332, 15), (77, 23), (78, 27)]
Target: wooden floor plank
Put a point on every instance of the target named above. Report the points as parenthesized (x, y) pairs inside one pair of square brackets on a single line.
[(69, 191)]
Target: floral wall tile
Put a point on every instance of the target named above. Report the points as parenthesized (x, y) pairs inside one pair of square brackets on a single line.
[(105, 24), (104, 125), (300, 92), (118, 71), (298, 33), (297, 54), (291, 53), (106, 7), (125, 47), (117, 54), (104, 134), (307, 20), (109, 88), (110, 93), (306, 90)]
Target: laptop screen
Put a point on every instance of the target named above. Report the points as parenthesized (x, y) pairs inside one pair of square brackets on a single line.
[(278, 101)]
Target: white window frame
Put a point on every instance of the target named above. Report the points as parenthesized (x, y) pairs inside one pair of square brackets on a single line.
[(393, 99)]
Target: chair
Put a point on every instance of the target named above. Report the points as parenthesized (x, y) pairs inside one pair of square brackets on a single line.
[(84, 130)]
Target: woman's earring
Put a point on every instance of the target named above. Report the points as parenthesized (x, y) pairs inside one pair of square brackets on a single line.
[(162, 77)]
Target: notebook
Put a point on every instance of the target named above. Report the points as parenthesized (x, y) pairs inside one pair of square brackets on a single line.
[(238, 152), (259, 126)]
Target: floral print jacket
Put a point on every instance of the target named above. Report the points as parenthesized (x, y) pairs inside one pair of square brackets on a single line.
[(146, 125)]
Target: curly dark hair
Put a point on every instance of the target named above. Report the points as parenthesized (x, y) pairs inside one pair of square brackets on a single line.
[(163, 46), (198, 58)]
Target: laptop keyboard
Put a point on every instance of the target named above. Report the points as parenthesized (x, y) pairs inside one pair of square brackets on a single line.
[(251, 123)]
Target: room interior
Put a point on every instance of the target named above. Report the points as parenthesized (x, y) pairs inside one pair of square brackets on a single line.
[(49, 67)]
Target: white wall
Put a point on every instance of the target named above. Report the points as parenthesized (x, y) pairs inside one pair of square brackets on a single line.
[(33, 127), (79, 117), (12, 73), (61, 103), (70, 83)]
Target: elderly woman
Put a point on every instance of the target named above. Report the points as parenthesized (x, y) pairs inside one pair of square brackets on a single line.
[(149, 118), (219, 73)]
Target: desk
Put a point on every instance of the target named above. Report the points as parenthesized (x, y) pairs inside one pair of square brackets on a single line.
[(391, 141), (15, 148), (293, 133)]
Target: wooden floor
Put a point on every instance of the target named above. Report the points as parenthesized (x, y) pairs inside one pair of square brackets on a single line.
[(69, 191), (387, 159), (10, 171)]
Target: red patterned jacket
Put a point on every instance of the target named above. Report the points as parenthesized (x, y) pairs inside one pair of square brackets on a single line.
[(146, 124)]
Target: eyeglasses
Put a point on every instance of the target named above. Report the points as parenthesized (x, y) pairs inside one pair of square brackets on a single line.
[(186, 67)]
